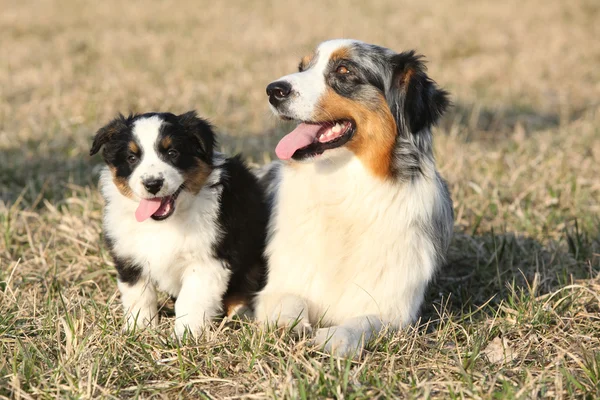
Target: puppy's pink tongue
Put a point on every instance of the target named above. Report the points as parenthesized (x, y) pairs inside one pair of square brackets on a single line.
[(302, 136), (146, 208)]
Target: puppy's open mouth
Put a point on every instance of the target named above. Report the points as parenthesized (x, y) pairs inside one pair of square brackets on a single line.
[(158, 208), (310, 139)]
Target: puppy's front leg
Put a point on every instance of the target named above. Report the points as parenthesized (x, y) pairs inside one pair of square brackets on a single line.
[(139, 303), (349, 338), (200, 297)]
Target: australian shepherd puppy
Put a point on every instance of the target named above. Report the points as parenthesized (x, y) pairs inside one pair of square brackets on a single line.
[(179, 217), (361, 218)]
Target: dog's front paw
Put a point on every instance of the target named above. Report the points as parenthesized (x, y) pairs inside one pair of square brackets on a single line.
[(339, 342), (297, 327), (186, 328), (139, 321)]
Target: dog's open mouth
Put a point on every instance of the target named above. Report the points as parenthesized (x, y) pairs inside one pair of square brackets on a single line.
[(313, 138), (158, 208)]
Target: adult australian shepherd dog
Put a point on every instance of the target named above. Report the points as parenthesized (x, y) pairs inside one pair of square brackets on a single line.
[(361, 218)]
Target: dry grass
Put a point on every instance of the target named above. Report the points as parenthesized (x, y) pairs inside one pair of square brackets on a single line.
[(514, 315)]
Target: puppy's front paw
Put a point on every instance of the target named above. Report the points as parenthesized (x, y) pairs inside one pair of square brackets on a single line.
[(339, 342), (185, 327), (139, 321)]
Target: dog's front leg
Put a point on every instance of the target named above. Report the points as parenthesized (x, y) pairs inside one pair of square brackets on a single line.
[(200, 297), (139, 303), (283, 310), (349, 339)]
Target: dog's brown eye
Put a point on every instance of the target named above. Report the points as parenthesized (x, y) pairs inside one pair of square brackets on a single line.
[(132, 159), (342, 70), (173, 153)]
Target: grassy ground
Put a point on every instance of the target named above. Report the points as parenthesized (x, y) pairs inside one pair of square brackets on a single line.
[(515, 314)]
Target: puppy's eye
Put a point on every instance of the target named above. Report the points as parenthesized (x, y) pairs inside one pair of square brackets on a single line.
[(132, 159), (342, 70), (173, 153)]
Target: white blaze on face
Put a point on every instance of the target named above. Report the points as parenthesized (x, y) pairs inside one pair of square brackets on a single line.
[(147, 131), (308, 86)]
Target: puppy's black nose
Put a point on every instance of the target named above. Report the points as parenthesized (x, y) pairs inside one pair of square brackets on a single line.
[(153, 185), (278, 92)]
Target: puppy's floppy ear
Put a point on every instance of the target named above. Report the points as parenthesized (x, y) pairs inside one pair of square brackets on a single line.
[(201, 130), (413, 94), (107, 132)]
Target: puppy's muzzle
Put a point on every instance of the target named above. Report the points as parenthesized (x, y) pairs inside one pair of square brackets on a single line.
[(153, 185)]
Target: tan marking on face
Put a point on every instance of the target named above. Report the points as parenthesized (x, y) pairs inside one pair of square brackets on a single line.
[(196, 177), (375, 136), (133, 147), (343, 53), (166, 142), (121, 183), (306, 60)]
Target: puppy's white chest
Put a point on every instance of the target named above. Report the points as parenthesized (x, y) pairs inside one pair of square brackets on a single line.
[(165, 249)]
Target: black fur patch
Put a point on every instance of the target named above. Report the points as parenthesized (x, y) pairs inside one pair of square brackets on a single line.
[(192, 138), (194, 127), (414, 94), (115, 137), (243, 218), (127, 271)]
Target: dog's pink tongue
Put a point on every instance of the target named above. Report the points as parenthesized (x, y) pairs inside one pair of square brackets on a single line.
[(146, 208), (302, 136)]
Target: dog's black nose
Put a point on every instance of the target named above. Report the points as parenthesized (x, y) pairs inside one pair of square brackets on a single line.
[(153, 185), (278, 91)]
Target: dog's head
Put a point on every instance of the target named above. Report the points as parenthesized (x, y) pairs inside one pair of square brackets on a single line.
[(156, 157), (358, 97)]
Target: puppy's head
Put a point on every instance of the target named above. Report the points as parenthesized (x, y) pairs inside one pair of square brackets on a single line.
[(156, 157), (358, 97)]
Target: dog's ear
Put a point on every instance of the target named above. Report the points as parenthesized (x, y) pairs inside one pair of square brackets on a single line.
[(201, 130), (415, 99), (107, 132)]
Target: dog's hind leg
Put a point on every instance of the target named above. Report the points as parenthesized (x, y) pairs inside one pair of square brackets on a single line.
[(238, 305)]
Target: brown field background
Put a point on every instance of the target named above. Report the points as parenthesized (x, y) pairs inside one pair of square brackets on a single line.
[(520, 149)]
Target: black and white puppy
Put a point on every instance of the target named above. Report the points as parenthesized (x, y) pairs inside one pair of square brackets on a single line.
[(180, 217), (361, 218)]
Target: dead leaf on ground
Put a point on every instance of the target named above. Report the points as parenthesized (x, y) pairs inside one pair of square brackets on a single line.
[(499, 351)]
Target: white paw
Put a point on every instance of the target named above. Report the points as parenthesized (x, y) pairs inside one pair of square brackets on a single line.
[(139, 321), (183, 327), (339, 342), (298, 327)]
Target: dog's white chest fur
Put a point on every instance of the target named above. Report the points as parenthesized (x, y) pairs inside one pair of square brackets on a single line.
[(349, 244), (164, 249)]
